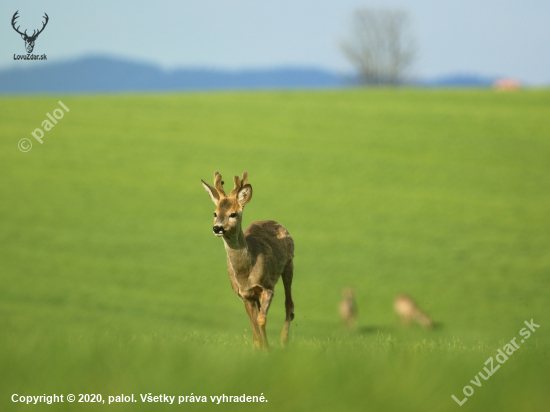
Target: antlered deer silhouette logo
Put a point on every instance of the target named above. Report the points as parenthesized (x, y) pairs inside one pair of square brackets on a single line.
[(29, 40)]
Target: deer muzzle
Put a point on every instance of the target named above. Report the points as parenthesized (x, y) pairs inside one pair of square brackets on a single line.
[(219, 230)]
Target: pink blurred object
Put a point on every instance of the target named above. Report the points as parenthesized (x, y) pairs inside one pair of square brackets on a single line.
[(507, 83)]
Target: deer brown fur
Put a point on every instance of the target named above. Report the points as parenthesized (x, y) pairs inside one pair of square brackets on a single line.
[(256, 258), (348, 308), (409, 312)]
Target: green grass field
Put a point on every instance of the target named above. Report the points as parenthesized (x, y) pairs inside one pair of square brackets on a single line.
[(113, 283)]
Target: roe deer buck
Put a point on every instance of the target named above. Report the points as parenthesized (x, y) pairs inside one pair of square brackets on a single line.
[(256, 258), (409, 311)]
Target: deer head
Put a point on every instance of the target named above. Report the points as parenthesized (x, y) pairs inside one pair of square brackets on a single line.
[(229, 208), (29, 40)]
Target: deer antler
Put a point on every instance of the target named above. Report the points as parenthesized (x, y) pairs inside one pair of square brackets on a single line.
[(15, 16), (239, 184), (218, 183), (34, 36)]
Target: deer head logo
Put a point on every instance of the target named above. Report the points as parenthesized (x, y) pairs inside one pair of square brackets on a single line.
[(29, 40)]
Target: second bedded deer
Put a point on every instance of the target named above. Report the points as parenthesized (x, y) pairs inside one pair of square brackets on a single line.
[(409, 312)]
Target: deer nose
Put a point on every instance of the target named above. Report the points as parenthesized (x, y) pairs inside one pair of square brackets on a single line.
[(218, 229)]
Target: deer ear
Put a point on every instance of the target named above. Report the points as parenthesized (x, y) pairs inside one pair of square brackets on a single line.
[(244, 195), (213, 193)]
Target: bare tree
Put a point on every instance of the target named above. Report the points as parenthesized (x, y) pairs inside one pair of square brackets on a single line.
[(382, 46)]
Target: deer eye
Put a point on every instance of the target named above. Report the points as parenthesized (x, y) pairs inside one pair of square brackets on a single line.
[(215, 215), (233, 215)]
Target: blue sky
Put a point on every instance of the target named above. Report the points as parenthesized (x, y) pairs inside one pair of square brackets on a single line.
[(484, 37)]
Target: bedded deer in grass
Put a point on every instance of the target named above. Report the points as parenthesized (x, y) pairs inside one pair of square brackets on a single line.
[(348, 309), (409, 312), (256, 258)]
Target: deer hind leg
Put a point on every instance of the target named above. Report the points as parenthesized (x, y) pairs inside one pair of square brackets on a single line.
[(289, 305), (266, 296), (252, 309)]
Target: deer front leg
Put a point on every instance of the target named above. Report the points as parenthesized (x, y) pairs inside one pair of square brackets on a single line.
[(252, 309), (266, 297)]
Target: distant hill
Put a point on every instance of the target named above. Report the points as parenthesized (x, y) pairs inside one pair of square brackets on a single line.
[(101, 74), (459, 80), (104, 74)]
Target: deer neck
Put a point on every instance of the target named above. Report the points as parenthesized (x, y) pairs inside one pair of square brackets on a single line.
[(238, 253)]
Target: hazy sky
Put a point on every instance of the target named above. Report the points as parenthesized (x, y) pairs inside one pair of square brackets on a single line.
[(485, 37)]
